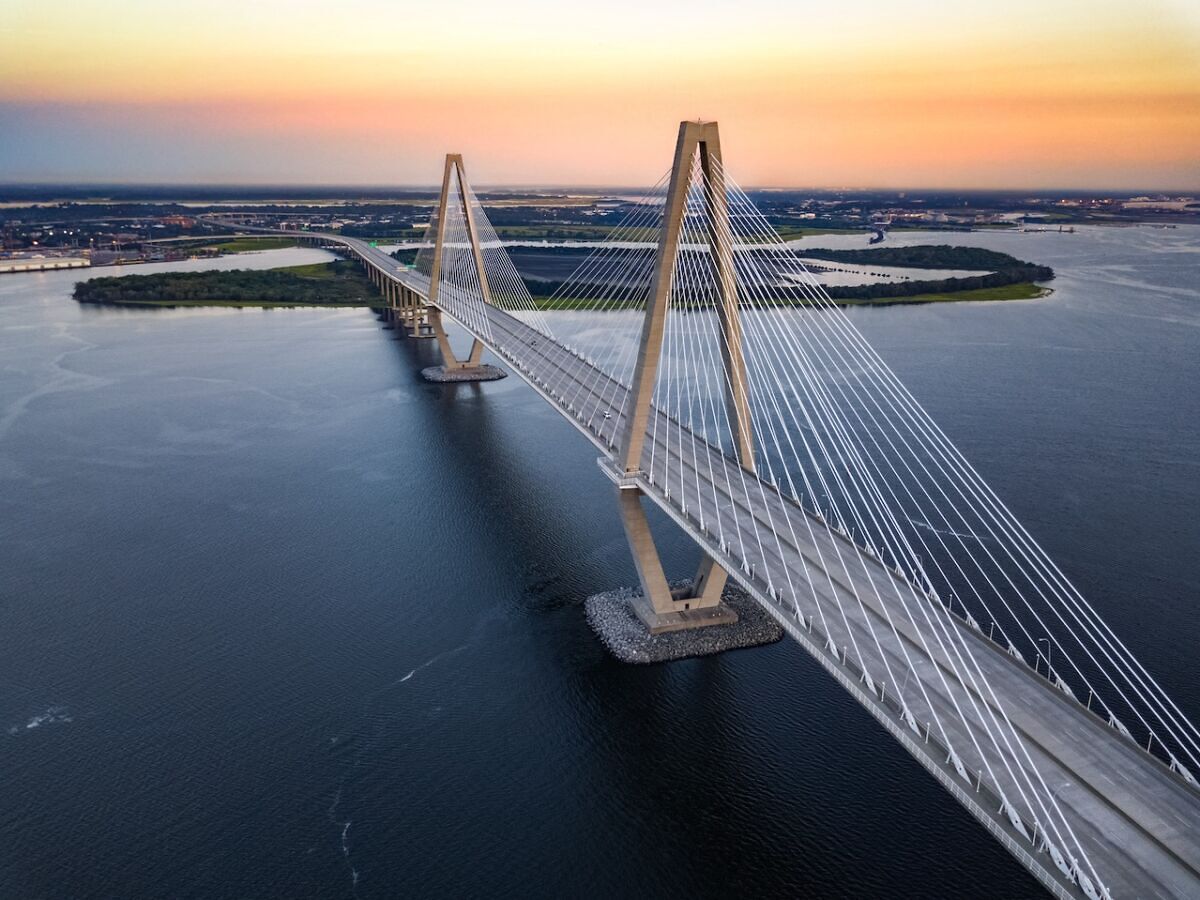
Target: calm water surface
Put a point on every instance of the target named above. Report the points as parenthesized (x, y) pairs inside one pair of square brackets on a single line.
[(281, 620)]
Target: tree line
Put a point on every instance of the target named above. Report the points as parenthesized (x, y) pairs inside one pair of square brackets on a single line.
[(338, 282)]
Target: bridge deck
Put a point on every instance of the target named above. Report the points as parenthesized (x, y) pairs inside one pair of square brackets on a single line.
[(1138, 822)]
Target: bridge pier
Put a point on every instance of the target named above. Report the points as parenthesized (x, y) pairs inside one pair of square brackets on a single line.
[(454, 369), (661, 607), (665, 621), (449, 359), (405, 310), (411, 314)]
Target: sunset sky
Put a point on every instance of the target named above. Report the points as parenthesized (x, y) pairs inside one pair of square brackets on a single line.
[(1052, 93)]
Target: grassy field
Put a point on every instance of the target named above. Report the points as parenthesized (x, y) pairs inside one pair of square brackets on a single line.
[(792, 232), (568, 302), (1023, 291), (248, 244), (572, 233), (316, 270), (1026, 290)]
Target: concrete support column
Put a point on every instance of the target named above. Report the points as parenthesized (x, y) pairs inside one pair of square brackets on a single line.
[(650, 346), (476, 355), (720, 242), (645, 554), (449, 359), (709, 581), (659, 608)]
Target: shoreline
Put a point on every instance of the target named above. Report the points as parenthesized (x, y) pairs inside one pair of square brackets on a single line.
[(981, 295), (1019, 291)]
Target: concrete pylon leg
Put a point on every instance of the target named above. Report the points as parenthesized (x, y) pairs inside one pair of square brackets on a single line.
[(449, 360), (645, 555), (658, 608), (476, 356), (709, 581), (693, 137)]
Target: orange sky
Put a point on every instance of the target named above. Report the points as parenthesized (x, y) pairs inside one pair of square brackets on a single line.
[(913, 94)]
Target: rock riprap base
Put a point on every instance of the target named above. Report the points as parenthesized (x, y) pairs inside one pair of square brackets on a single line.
[(442, 375), (611, 616)]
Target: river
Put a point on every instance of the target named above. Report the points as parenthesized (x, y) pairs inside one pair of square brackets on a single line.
[(282, 620)]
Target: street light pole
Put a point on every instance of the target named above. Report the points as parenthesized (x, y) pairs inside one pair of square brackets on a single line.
[(1049, 650)]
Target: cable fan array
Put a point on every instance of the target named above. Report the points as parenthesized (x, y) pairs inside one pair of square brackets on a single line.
[(839, 435), (461, 293)]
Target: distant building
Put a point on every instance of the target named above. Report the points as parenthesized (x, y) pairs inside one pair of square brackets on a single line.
[(1146, 203), (40, 263)]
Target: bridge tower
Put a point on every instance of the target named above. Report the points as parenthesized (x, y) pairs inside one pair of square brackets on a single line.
[(699, 605), (454, 169)]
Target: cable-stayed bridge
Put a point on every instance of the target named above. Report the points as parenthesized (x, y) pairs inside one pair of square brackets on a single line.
[(717, 379)]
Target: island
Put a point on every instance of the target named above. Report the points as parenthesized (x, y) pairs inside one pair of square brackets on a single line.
[(337, 283), (979, 274), (1000, 276)]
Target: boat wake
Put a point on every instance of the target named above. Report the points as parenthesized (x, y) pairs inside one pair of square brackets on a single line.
[(337, 799), (343, 826), (54, 715), (426, 665)]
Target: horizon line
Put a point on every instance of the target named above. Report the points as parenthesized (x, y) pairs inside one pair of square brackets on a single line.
[(433, 187)]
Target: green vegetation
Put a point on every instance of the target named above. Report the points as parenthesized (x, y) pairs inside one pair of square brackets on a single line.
[(339, 283), (997, 270), (324, 270), (925, 256), (1024, 291), (1001, 277), (572, 233), (248, 244), (792, 232), (571, 302), (384, 234)]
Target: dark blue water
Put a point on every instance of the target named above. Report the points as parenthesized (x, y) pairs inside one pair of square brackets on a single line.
[(281, 620)]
